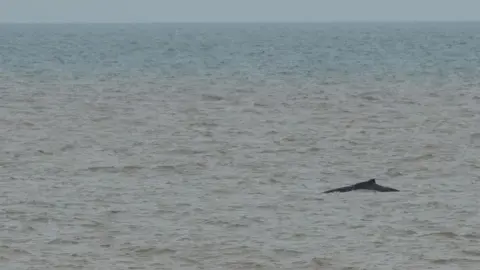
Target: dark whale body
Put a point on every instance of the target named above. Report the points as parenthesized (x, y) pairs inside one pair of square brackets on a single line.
[(367, 185)]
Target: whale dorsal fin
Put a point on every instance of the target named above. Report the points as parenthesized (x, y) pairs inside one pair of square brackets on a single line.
[(371, 181)]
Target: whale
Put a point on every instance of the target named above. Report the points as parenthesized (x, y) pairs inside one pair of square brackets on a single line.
[(366, 185)]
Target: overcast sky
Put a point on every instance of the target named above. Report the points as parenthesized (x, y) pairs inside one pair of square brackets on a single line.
[(236, 10)]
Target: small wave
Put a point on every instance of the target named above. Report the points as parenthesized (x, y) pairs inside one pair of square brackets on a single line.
[(472, 236), (67, 147), (286, 252), (113, 169), (44, 153), (17, 251), (91, 224), (394, 172), (58, 241), (418, 158), (454, 261), (245, 91), (370, 98), (251, 110), (116, 211), (269, 151), (222, 190), (450, 235), (475, 139), (103, 168), (472, 252), (258, 104), (322, 263), (165, 168), (204, 123), (40, 204), (99, 119), (40, 219), (245, 265), (207, 97), (132, 168), (186, 151), (271, 132), (153, 251)]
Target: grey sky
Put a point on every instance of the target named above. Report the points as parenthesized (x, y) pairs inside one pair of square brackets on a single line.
[(236, 10)]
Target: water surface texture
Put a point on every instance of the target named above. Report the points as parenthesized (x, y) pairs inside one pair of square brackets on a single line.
[(208, 146)]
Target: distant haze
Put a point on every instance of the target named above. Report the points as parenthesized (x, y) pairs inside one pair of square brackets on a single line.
[(28, 11)]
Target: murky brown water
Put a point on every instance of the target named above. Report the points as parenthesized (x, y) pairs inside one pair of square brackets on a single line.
[(161, 175)]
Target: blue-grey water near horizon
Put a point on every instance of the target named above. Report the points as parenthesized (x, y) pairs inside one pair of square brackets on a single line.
[(208, 146)]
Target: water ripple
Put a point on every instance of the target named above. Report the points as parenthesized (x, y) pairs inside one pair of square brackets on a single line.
[(192, 147)]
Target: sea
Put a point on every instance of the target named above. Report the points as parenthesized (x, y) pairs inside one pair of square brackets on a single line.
[(209, 146)]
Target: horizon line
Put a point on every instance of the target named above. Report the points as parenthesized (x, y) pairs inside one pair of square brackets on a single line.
[(240, 22)]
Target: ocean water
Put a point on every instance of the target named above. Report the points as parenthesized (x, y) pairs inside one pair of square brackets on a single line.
[(208, 146)]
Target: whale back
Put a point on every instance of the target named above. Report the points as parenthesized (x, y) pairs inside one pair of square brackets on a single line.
[(365, 184), (369, 185)]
